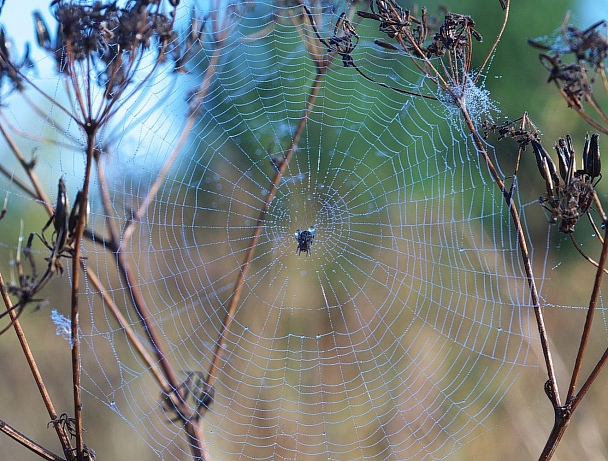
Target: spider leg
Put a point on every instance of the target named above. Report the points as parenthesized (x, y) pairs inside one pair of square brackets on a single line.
[(46, 226), (19, 307), (43, 240), (339, 23), (314, 26)]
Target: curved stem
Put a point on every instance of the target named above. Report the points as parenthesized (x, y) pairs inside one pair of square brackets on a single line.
[(544, 340), (506, 6)]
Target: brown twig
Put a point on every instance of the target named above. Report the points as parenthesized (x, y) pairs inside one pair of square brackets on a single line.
[(563, 413), (589, 319), (28, 443), (321, 66), (27, 352)]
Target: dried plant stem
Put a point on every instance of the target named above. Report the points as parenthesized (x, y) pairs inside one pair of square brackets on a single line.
[(164, 373), (581, 112), (506, 6), (29, 443), (591, 260), (587, 384), (525, 254), (169, 381), (428, 68), (128, 330), (589, 319), (146, 318), (75, 322), (598, 110), (195, 105), (563, 414), (91, 114), (27, 352), (238, 285), (29, 170)]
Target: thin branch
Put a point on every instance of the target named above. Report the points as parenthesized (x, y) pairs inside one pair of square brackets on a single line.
[(75, 321), (523, 247), (591, 260), (29, 170), (506, 5), (27, 352), (128, 330), (28, 443), (590, 380), (589, 320), (195, 105), (238, 285)]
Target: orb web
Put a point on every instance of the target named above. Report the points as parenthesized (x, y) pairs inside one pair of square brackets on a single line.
[(400, 331)]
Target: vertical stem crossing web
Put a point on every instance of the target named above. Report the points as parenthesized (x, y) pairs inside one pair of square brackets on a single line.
[(238, 286), (199, 313)]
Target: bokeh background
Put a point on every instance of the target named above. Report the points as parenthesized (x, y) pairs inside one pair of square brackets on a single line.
[(519, 424)]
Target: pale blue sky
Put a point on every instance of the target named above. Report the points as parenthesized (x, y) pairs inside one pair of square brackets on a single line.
[(17, 18)]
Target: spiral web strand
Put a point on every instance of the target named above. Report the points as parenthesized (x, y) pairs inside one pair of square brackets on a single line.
[(400, 332)]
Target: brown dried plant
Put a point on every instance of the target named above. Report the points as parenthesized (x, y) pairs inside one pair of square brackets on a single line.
[(98, 49), (445, 60), (575, 61)]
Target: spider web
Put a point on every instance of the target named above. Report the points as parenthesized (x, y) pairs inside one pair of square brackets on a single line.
[(398, 335)]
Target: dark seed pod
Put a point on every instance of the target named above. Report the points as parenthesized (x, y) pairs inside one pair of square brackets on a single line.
[(565, 155), (542, 158), (591, 156), (42, 33)]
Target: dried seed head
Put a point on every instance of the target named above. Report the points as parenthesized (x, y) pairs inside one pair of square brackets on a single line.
[(591, 156)]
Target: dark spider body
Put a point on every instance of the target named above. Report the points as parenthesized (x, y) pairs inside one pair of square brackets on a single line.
[(304, 239), (571, 199), (574, 201)]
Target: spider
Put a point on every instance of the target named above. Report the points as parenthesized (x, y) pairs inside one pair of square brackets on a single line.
[(68, 424), (64, 223), (194, 387), (572, 199), (304, 239), (342, 40)]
